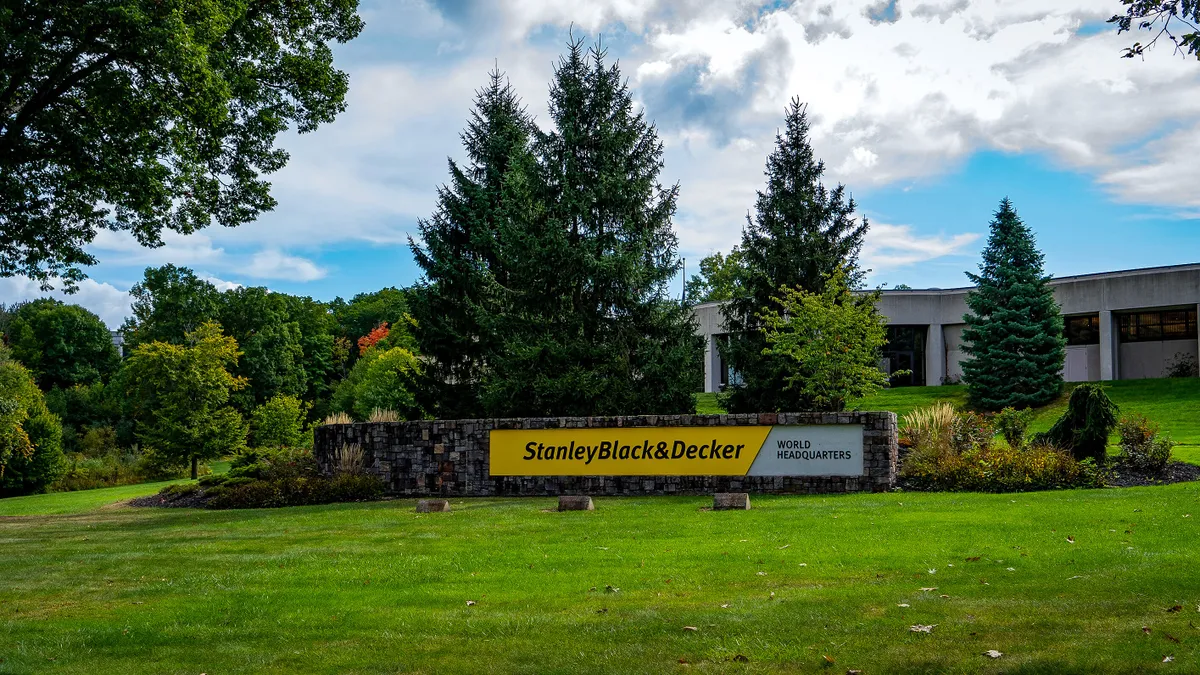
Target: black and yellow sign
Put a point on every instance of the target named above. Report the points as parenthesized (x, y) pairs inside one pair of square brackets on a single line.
[(784, 450)]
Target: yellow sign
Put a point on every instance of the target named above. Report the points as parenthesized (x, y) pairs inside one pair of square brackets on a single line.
[(626, 451)]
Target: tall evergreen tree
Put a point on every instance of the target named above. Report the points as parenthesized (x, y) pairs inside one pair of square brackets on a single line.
[(588, 327), (801, 234), (459, 254), (1014, 333)]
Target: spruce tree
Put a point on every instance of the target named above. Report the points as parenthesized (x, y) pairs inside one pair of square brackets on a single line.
[(801, 234), (1014, 334), (588, 326), (459, 254)]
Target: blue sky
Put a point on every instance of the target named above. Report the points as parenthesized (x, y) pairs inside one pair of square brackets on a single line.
[(930, 111)]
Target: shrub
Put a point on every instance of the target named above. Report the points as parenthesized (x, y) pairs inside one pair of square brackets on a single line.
[(954, 451), (997, 468), (279, 422), (31, 456), (296, 491), (970, 430), (1084, 427), (1183, 365), (338, 418), (1012, 424), (349, 459), (1142, 448)]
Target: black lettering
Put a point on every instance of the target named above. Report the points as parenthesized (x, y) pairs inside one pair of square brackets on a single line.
[(530, 452), (541, 447), (624, 454), (660, 452), (692, 451), (605, 449), (738, 453), (678, 449), (591, 454), (704, 451)]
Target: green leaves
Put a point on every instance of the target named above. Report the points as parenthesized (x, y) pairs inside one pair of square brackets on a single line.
[(141, 115), (830, 341)]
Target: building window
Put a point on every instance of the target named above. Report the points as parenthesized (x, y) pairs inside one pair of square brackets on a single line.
[(905, 350), (1082, 330), (1175, 324)]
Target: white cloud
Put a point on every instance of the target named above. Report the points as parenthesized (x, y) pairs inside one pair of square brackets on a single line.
[(111, 304), (888, 247), (273, 264)]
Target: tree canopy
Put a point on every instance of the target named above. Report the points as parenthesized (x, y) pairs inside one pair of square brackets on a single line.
[(145, 115), (63, 345), (718, 280)]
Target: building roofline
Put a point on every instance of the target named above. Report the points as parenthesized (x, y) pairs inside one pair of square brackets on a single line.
[(1137, 271)]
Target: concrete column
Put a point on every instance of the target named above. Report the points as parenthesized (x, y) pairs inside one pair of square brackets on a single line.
[(710, 369), (1108, 346), (935, 356)]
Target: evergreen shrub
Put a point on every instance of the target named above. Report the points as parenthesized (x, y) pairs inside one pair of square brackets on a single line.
[(1012, 425), (1084, 428)]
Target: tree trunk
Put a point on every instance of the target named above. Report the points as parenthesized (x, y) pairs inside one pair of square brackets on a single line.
[(195, 467)]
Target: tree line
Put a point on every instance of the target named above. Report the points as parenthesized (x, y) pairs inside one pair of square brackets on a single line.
[(546, 265)]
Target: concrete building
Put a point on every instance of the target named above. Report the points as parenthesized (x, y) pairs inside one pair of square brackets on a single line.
[(1123, 325)]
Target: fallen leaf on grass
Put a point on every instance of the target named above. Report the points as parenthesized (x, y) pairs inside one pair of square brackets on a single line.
[(1176, 608), (602, 610), (903, 604), (772, 595), (1146, 630), (973, 558), (1172, 638), (1168, 659), (945, 596), (993, 654), (828, 661), (611, 589), (1012, 569), (741, 659), (918, 628), (853, 671), (933, 571), (784, 546), (683, 661), (692, 628), (725, 606), (1071, 540), (470, 603), (929, 590), (762, 574)]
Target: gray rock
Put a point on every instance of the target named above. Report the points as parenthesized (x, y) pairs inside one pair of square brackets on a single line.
[(731, 501), (433, 506), (575, 503)]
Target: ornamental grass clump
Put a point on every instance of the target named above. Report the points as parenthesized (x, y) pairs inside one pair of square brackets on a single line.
[(956, 451)]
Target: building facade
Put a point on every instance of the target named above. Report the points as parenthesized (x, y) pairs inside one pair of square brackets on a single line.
[(1124, 325)]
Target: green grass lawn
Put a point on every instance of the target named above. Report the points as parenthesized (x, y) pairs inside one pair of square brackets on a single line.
[(375, 588), (1173, 403)]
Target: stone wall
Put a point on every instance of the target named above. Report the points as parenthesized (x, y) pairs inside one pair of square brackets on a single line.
[(450, 457)]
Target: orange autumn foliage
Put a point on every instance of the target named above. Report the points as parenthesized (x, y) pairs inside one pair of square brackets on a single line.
[(367, 341)]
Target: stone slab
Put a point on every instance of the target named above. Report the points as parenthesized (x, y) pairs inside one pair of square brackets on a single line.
[(731, 501), (433, 506), (575, 503)]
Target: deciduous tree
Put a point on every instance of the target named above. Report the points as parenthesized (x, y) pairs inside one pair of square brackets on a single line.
[(145, 115), (63, 345), (180, 397), (830, 342)]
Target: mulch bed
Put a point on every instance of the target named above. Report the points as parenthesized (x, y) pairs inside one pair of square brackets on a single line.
[(195, 500), (1176, 472)]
